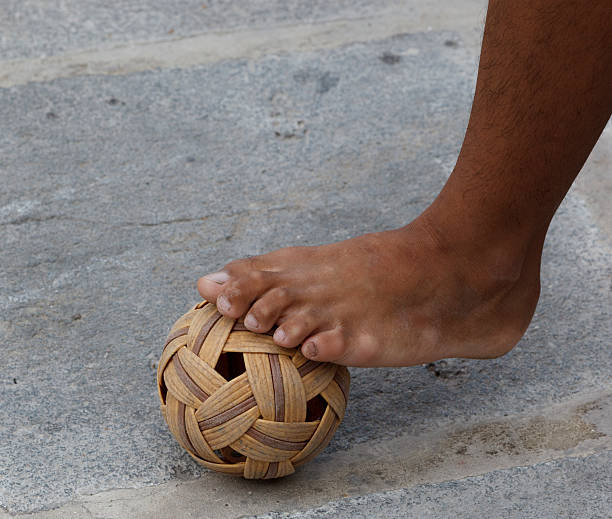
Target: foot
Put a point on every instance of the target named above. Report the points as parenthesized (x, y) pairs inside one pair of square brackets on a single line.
[(395, 298)]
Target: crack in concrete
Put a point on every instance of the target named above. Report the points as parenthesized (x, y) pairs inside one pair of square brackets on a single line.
[(39, 219), (170, 222)]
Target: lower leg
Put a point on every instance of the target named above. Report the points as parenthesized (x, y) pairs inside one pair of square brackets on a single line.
[(463, 278), (543, 97)]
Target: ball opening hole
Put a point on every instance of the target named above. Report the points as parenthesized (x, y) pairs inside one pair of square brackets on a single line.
[(229, 455), (315, 407), (230, 365)]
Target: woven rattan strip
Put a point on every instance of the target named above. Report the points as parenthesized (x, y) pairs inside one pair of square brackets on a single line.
[(175, 335), (226, 416), (186, 379)]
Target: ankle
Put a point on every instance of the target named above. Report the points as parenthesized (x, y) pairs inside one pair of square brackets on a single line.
[(489, 260)]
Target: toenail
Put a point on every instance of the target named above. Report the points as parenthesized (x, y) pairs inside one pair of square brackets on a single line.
[(310, 349), (279, 335), (223, 304), (217, 277), (251, 322)]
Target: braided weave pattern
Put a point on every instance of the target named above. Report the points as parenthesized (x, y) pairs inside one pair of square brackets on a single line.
[(258, 411)]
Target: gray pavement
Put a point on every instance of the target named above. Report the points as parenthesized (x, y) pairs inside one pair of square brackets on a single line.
[(35, 28), (566, 488), (120, 188)]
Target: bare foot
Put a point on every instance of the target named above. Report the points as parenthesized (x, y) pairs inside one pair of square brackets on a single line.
[(463, 279), (394, 298)]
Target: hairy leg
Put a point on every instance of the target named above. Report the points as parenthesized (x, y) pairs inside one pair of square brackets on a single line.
[(463, 278)]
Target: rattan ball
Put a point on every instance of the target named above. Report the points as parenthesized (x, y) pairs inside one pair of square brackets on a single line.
[(242, 405)]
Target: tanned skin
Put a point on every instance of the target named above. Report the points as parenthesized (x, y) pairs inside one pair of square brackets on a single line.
[(463, 279)]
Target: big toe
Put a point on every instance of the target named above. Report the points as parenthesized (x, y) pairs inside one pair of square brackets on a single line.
[(237, 286), (211, 285)]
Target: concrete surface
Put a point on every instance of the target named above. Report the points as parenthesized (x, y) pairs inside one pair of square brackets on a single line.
[(122, 184), (38, 29), (565, 489)]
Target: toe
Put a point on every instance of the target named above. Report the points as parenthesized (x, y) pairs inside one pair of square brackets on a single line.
[(295, 329), (265, 311), (238, 293), (326, 346), (211, 285)]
